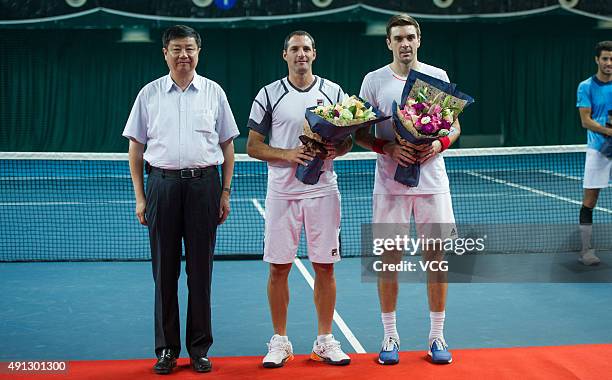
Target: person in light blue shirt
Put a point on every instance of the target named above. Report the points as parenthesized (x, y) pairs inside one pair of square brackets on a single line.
[(594, 103)]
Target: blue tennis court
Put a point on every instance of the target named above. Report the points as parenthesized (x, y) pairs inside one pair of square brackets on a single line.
[(103, 311), (92, 296)]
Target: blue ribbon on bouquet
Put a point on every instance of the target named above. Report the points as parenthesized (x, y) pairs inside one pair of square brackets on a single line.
[(409, 175), (310, 173)]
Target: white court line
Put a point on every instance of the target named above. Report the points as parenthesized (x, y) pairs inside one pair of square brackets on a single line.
[(535, 191), (63, 203), (60, 178), (308, 277), (566, 176), (76, 203)]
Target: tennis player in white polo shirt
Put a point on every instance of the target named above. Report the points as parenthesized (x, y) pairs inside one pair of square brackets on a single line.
[(395, 203), (278, 113)]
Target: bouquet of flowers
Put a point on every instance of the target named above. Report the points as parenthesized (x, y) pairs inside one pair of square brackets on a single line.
[(428, 109), (332, 124)]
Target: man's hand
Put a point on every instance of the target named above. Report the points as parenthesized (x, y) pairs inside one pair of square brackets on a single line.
[(417, 148), (299, 155), (141, 207), (402, 154), (332, 150), (434, 148), (224, 207), (337, 150)]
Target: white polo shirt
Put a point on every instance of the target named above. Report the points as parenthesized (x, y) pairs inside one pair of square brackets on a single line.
[(381, 87), (182, 129), (278, 112)]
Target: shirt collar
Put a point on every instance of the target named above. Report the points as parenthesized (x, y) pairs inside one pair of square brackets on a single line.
[(307, 89), (168, 84), (195, 83), (600, 83)]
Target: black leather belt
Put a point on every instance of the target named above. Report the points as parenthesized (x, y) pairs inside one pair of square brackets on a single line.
[(182, 173)]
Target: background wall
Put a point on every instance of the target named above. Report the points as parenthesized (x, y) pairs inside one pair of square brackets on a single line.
[(72, 90)]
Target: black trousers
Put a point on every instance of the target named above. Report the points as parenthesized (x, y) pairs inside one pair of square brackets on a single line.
[(183, 209)]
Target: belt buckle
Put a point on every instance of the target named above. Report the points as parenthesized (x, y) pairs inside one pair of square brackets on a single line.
[(190, 173)]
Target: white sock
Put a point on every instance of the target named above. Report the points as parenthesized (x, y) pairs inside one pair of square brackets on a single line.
[(436, 325), (282, 338), (586, 231), (324, 338), (388, 321)]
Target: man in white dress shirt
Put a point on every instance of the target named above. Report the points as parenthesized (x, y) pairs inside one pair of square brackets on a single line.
[(187, 125), (393, 202)]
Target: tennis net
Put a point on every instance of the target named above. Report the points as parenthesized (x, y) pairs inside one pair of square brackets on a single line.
[(80, 206)]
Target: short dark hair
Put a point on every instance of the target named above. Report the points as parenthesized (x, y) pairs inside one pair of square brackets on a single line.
[(401, 20), (298, 33), (601, 46), (180, 31)]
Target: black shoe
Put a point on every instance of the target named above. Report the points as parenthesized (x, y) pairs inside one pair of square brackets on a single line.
[(201, 364), (166, 362)]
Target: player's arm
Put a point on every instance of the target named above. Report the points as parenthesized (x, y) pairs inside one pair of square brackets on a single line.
[(257, 148), (455, 132), (590, 124), (260, 125)]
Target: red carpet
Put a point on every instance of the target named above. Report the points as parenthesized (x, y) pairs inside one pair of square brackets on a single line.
[(562, 362)]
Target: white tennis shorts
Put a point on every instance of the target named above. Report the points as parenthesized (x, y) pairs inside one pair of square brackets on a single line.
[(284, 220), (433, 215), (597, 169)]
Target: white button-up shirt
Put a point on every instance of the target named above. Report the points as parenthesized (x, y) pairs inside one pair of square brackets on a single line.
[(182, 129)]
